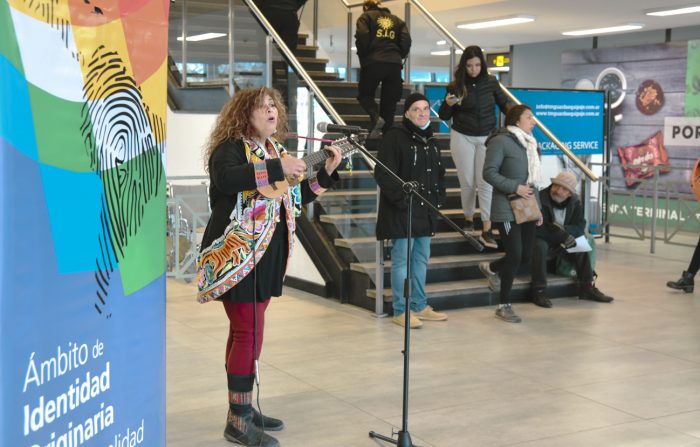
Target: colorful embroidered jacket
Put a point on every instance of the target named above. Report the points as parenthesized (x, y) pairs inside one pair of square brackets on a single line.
[(243, 220)]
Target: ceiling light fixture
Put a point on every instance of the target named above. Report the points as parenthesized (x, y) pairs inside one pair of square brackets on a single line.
[(491, 23), (501, 69), (610, 29), (674, 11), (444, 52), (441, 42), (205, 36)]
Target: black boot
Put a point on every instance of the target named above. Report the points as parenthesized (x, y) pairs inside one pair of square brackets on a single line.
[(540, 298), (248, 434), (686, 283), (266, 422)]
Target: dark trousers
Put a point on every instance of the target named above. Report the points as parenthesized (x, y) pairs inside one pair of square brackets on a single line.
[(695, 261), (517, 242), (544, 251), (389, 75), (286, 23)]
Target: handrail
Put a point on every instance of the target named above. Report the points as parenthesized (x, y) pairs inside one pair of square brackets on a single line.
[(295, 63), (456, 43), (299, 69)]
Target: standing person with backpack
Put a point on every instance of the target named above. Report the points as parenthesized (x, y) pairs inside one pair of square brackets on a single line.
[(382, 42)]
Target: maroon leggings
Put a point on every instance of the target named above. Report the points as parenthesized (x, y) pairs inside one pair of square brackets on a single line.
[(240, 356)]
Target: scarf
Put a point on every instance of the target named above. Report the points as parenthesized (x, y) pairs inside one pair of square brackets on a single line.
[(425, 133), (534, 176)]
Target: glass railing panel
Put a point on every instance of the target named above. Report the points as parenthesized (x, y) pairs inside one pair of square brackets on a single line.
[(332, 35), (430, 52)]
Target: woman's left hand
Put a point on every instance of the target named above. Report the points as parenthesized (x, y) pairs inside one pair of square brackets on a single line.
[(333, 162)]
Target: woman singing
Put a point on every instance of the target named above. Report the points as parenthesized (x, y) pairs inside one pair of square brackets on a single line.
[(249, 238)]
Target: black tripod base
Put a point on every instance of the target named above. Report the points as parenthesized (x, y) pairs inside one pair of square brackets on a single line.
[(403, 441)]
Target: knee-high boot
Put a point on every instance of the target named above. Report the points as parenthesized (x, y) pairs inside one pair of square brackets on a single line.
[(240, 427)]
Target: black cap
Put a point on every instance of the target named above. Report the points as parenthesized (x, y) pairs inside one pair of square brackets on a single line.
[(413, 97)]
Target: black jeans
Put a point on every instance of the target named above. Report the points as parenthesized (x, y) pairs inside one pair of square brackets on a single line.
[(695, 261), (286, 23), (389, 75), (543, 251), (517, 241)]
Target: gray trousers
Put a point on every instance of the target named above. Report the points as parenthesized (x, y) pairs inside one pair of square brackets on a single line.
[(469, 153)]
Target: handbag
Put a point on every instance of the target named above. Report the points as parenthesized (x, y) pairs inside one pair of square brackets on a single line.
[(525, 209)]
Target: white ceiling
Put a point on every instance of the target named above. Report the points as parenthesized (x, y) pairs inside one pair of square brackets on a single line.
[(552, 17)]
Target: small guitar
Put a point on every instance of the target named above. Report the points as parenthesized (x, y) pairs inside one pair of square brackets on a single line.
[(276, 189)]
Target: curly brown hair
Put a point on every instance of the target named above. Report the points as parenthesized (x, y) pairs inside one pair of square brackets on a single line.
[(234, 122)]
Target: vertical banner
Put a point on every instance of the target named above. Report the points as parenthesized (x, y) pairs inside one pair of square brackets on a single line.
[(82, 222)]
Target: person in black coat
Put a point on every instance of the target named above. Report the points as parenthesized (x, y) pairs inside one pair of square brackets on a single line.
[(383, 42), (563, 222), (282, 15), (411, 152), (249, 237), (470, 103)]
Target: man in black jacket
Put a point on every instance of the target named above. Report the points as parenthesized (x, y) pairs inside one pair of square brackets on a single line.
[(282, 15), (382, 42), (411, 152), (562, 213)]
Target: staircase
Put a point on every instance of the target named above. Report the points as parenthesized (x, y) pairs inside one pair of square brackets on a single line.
[(346, 217), (339, 235)]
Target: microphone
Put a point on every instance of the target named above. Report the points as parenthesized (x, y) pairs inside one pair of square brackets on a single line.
[(330, 127)]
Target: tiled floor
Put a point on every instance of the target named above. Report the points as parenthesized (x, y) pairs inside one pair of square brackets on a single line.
[(579, 374)]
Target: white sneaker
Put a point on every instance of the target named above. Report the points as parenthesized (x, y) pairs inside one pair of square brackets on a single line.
[(493, 278)]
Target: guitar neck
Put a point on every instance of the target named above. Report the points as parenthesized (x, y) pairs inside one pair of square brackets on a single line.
[(346, 148), (316, 157)]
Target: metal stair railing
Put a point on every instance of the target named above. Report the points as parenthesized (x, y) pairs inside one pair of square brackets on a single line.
[(456, 44)]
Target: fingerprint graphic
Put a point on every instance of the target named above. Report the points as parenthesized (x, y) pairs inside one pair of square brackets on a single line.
[(122, 143)]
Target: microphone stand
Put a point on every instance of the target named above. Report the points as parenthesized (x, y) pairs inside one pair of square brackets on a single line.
[(409, 189)]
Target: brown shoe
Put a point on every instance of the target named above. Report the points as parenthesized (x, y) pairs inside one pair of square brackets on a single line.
[(428, 314), (401, 319)]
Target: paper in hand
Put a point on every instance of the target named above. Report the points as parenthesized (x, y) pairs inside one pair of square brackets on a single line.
[(581, 246)]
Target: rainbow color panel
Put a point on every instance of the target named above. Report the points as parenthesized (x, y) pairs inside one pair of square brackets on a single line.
[(82, 220)]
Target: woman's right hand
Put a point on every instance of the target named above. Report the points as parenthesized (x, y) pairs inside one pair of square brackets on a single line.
[(451, 99), (292, 166), (525, 191)]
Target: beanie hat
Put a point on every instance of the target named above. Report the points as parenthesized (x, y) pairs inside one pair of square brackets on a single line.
[(413, 97), (565, 180)]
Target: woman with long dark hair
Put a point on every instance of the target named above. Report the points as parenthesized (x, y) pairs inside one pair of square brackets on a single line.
[(249, 237), (512, 167), (471, 105)]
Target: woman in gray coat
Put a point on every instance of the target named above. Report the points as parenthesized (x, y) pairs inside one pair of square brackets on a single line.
[(512, 167)]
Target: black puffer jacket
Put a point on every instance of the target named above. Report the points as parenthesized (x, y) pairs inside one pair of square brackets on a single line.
[(476, 115), (380, 36), (413, 158)]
